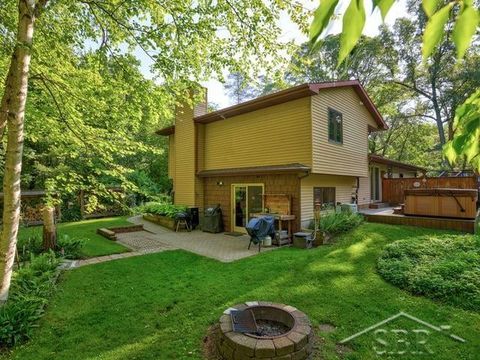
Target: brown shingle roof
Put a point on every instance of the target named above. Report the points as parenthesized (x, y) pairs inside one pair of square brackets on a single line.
[(166, 131), (382, 160)]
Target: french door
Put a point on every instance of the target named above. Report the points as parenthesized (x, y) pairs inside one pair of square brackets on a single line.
[(247, 199)]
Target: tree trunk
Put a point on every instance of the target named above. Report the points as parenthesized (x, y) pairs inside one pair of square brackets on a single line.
[(49, 229), (16, 96)]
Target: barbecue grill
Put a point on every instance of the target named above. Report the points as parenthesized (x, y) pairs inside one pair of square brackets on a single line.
[(259, 228)]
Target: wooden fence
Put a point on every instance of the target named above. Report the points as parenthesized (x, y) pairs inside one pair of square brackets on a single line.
[(392, 189), (32, 203)]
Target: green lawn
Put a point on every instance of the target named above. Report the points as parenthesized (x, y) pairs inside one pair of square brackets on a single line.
[(159, 306), (95, 245)]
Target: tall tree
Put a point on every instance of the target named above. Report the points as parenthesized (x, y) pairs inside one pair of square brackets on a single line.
[(238, 88), (186, 42), (12, 114)]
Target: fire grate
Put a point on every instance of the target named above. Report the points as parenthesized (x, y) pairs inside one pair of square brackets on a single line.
[(243, 321)]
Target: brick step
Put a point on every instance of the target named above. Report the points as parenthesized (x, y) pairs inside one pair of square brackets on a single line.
[(379, 205), (109, 234)]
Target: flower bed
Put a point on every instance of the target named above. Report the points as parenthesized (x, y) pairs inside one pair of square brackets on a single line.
[(162, 214), (164, 221)]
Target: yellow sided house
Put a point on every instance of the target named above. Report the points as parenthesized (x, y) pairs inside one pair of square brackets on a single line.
[(279, 153)]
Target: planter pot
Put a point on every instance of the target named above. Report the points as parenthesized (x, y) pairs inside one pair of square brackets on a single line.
[(164, 221)]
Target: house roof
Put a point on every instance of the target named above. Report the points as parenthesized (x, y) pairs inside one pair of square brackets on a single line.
[(166, 131), (374, 158), (283, 96), (256, 170)]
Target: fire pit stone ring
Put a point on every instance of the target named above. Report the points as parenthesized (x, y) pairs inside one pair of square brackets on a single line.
[(288, 333)]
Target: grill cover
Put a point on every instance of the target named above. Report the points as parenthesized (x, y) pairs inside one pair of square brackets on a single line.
[(260, 227)]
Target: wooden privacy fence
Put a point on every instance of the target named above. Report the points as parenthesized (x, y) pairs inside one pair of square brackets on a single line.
[(32, 203), (393, 189)]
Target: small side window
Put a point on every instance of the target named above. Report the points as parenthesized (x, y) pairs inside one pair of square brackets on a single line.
[(325, 196), (335, 126)]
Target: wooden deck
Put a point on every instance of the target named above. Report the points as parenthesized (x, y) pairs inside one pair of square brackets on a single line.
[(386, 216)]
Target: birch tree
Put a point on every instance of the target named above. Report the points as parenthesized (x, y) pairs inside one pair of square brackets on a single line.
[(12, 114)]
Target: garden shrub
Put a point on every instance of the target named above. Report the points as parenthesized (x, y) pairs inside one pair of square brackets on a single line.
[(335, 223), (162, 209), (71, 212), (31, 287), (67, 246), (70, 247), (444, 268), (31, 245)]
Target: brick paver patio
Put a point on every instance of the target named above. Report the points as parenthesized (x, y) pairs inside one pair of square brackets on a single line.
[(222, 247), (142, 241), (156, 238)]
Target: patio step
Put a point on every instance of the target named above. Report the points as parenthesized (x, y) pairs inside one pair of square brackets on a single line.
[(398, 210), (109, 234), (379, 205)]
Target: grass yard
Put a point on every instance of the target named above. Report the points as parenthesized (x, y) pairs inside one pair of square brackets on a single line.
[(159, 306), (95, 245)]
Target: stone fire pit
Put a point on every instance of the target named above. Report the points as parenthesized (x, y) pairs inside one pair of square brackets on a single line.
[(284, 333)]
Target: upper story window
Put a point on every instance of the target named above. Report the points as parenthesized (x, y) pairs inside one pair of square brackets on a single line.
[(335, 126)]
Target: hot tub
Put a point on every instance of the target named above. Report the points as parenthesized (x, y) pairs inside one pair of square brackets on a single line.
[(451, 203)]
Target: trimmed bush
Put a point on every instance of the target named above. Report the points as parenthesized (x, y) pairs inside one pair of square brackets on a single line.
[(445, 269), (339, 222), (29, 292), (161, 209)]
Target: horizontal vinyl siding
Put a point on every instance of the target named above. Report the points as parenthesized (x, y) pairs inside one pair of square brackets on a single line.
[(171, 157), (200, 156), (351, 157), (344, 187), (364, 191), (276, 135), (185, 157), (188, 189)]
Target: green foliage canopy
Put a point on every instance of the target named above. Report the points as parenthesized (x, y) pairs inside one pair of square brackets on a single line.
[(91, 113)]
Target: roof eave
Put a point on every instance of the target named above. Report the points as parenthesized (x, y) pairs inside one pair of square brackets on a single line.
[(170, 130), (283, 96), (279, 97), (259, 170), (381, 160)]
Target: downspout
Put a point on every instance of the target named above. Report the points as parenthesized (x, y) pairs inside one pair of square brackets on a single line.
[(356, 190), (307, 172), (299, 221)]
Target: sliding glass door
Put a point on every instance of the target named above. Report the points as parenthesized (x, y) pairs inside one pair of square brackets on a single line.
[(247, 199)]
